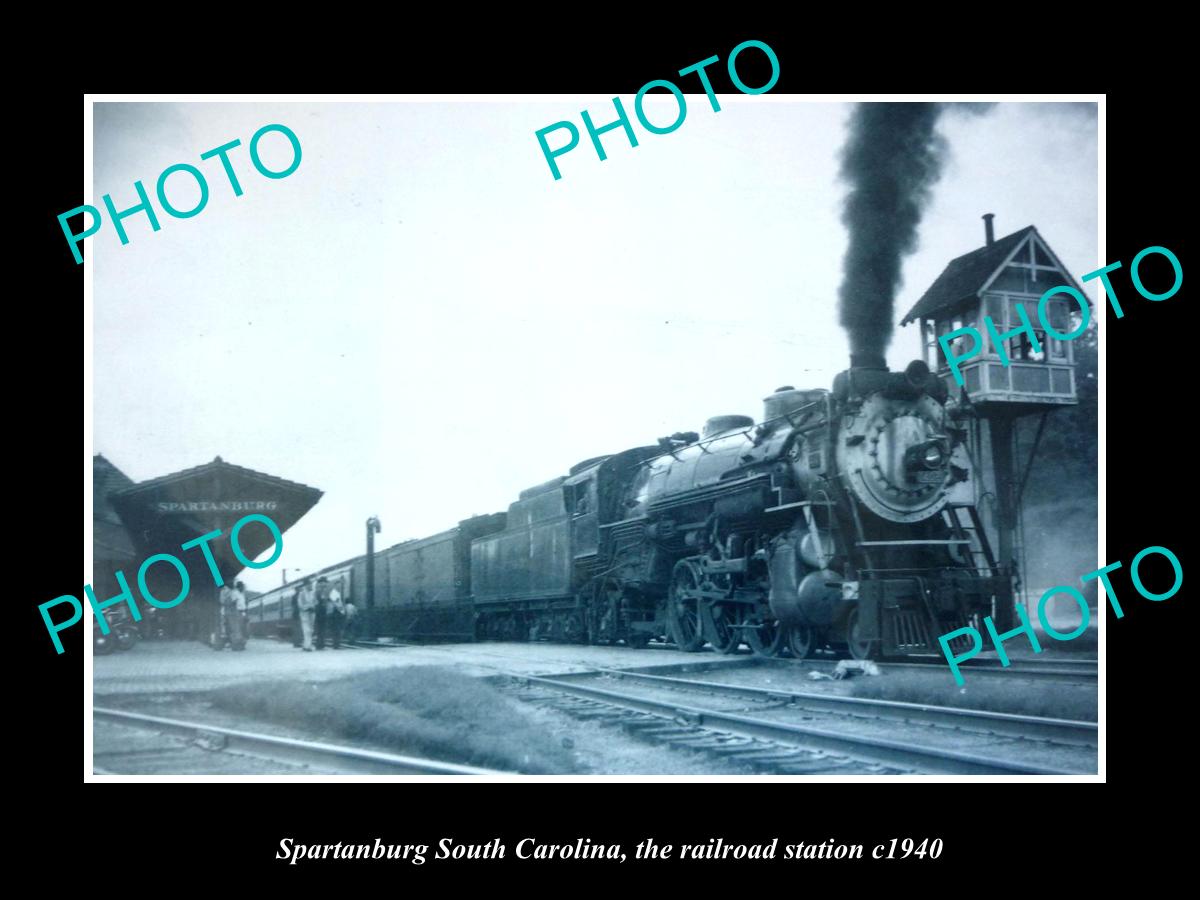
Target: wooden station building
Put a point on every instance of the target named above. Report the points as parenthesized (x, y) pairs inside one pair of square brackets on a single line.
[(135, 520)]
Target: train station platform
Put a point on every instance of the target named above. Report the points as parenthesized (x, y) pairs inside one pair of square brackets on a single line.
[(180, 666), (177, 666)]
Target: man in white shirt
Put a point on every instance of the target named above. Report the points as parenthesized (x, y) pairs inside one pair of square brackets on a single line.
[(335, 615), (306, 601), (232, 627)]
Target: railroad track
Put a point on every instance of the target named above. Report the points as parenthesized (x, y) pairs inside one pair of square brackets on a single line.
[(785, 747), (290, 753), (1060, 669), (1025, 667), (1060, 731), (1063, 672)]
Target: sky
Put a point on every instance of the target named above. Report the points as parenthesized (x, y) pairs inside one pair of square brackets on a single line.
[(421, 322)]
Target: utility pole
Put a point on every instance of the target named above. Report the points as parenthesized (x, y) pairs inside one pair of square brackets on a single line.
[(373, 528), (1001, 426)]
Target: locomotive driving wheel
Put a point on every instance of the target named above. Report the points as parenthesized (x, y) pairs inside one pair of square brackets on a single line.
[(683, 607), (768, 638)]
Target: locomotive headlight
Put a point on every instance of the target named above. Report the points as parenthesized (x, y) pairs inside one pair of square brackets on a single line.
[(925, 462)]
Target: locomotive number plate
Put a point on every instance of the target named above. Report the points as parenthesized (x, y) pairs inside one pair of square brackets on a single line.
[(931, 477)]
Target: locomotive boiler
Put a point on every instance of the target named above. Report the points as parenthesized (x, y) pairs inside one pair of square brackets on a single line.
[(844, 518)]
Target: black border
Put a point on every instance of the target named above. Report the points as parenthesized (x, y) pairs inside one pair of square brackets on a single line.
[(987, 827)]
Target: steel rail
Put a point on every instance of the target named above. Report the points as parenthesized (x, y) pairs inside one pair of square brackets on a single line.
[(353, 759), (1062, 669), (1020, 668), (1053, 661), (1016, 669), (1009, 724), (930, 760)]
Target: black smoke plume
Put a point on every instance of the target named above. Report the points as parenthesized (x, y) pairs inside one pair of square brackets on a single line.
[(891, 161)]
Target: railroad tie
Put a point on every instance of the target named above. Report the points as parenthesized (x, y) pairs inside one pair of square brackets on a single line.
[(815, 766), (749, 750), (651, 726), (602, 715), (691, 741)]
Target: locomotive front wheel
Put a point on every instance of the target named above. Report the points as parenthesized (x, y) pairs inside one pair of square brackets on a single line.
[(721, 626), (683, 609), (768, 639), (859, 647), (800, 641)]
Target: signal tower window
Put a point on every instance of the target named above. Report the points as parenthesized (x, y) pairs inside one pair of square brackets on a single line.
[(1021, 348)]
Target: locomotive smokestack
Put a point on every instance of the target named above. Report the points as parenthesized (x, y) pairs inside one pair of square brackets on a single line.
[(867, 360), (988, 232)]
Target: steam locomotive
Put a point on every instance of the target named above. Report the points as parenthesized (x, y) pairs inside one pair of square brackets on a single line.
[(845, 519)]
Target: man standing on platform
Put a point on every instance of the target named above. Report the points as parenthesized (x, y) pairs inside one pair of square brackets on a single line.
[(322, 596), (237, 633), (224, 603), (350, 626), (297, 634), (335, 615), (306, 602)]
